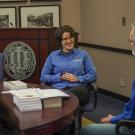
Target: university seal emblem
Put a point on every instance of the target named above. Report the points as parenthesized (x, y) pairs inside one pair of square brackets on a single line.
[(20, 61)]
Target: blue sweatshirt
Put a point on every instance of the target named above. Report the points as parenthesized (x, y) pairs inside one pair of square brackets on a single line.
[(129, 109), (78, 62)]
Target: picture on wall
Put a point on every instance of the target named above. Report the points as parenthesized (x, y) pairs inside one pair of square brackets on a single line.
[(13, 0), (45, 0), (42, 16), (7, 17)]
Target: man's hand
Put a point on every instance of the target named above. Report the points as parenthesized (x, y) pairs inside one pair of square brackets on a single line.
[(69, 77), (106, 119)]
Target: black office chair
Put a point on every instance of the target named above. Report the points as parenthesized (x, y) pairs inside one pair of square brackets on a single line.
[(128, 123), (91, 106), (1, 66), (92, 89)]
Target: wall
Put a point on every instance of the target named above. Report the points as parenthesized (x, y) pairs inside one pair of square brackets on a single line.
[(114, 69), (101, 24), (70, 14)]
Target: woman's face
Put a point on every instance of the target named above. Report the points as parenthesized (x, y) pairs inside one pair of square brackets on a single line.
[(67, 42)]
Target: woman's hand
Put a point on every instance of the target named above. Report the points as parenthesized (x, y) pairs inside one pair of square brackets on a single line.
[(69, 77), (106, 119)]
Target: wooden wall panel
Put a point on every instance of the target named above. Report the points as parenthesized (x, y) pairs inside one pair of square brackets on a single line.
[(42, 42)]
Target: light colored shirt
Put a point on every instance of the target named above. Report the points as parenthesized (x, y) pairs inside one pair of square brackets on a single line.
[(129, 109), (78, 62)]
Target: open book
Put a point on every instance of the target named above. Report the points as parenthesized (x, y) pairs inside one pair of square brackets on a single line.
[(49, 93)]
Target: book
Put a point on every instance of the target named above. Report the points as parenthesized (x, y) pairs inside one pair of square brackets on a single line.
[(27, 106), (49, 93), (55, 102), (51, 98), (26, 100), (15, 84), (33, 98), (24, 94)]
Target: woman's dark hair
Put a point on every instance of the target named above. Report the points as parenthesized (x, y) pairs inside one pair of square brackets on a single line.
[(61, 30)]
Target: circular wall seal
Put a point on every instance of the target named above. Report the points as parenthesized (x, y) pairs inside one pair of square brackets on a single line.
[(20, 60)]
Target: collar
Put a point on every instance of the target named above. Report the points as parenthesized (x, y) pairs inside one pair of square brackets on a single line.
[(75, 50)]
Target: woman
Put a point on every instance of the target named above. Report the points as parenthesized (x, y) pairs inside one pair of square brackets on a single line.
[(108, 128), (69, 68)]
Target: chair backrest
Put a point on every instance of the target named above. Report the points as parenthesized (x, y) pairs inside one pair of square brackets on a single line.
[(92, 104), (92, 87), (1, 66)]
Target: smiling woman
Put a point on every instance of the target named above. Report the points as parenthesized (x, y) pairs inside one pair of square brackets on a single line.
[(69, 68)]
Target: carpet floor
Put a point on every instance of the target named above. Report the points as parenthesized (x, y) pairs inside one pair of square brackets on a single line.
[(86, 121), (105, 105)]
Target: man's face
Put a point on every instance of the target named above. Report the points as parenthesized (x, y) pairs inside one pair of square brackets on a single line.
[(132, 39), (67, 42)]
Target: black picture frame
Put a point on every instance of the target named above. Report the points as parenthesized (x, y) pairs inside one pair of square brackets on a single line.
[(43, 0), (39, 16), (5, 1)]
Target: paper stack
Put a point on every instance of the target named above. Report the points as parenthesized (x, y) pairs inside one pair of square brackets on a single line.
[(55, 102), (51, 98), (26, 100), (15, 84), (36, 99), (50, 93)]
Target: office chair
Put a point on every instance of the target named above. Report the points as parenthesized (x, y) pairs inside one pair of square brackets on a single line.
[(91, 106), (127, 123), (1, 66), (94, 88)]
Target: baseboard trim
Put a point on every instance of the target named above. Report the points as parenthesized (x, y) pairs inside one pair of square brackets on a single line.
[(106, 48), (114, 95)]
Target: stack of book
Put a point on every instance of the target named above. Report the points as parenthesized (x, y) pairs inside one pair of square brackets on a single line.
[(51, 98), (55, 102), (36, 99), (27, 100), (15, 84)]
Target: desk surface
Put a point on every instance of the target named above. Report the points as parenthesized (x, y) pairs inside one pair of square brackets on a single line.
[(44, 121)]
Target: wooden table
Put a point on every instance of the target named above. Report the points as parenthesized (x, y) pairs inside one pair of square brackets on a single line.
[(47, 121)]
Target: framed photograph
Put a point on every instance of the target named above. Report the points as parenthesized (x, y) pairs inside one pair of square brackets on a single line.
[(13, 0), (42, 16), (45, 0), (7, 17)]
